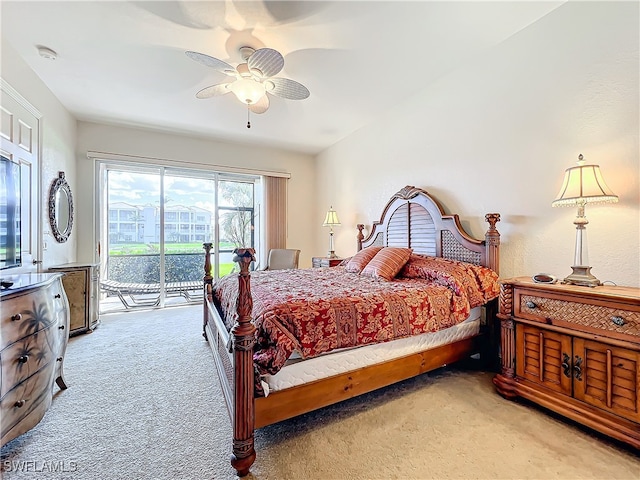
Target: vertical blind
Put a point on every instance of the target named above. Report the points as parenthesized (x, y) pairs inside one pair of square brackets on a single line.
[(275, 189)]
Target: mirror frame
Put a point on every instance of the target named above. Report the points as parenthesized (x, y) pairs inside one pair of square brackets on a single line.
[(60, 184)]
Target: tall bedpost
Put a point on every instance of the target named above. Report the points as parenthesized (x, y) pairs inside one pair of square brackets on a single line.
[(244, 453), (207, 286), (492, 239), (360, 235), (492, 243)]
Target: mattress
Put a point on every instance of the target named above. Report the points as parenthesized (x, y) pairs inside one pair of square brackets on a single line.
[(305, 371)]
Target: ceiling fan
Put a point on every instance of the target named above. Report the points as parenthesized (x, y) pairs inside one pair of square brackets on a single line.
[(253, 79)]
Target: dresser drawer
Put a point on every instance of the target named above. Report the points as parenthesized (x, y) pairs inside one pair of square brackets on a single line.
[(25, 314), (583, 314), (27, 356), (30, 398)]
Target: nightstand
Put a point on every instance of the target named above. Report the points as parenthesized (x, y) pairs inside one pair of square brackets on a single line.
[(574, 350), (325, 262)]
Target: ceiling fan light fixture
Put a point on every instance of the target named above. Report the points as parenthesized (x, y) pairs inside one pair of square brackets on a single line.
[(247, 90), (253, 79)]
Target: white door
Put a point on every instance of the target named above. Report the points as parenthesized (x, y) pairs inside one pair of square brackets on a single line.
[(20, 142)]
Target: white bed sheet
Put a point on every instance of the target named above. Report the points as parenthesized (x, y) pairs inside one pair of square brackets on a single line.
[(351, 359)]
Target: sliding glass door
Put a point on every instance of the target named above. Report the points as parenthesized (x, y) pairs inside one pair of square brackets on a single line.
[(158, 219)]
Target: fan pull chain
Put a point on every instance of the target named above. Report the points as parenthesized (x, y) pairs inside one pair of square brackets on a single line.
[(248, 120)]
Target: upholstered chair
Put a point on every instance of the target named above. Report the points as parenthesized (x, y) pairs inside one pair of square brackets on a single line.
[(282, 259)]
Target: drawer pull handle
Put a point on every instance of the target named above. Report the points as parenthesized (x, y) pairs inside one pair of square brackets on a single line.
[(577, 368), (19, 403), (23, 358), (619, 321), (16, 318), (57, 295), (566, 368), (530, 304)]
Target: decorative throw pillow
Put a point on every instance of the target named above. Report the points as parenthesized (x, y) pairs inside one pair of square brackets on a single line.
[(387, 262), (357, 263)]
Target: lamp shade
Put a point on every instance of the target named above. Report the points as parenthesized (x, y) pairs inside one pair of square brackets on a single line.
[(331, 219), (583, 184)]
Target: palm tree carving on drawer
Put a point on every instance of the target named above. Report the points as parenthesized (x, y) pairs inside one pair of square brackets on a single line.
[(37, 320)]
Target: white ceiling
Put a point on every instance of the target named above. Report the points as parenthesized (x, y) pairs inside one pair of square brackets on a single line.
[(123, 62)]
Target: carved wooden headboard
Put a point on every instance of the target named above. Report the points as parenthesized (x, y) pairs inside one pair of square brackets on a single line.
[(414, 219)]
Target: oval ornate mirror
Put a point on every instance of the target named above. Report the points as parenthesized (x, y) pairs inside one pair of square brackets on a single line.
[(60, 208)]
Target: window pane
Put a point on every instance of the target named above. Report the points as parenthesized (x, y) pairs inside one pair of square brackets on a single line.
[(133, 201), (235, 220), (188, 213)]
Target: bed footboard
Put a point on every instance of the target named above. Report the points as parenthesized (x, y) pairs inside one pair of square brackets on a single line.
[(215, 332)]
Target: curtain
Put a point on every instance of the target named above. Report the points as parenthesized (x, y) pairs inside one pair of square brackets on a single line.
[(275, 190)]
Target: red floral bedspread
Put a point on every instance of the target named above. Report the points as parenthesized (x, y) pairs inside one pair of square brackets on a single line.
[(314, 311)]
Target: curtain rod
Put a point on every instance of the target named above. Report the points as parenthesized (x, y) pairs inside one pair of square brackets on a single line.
[(179, 163)]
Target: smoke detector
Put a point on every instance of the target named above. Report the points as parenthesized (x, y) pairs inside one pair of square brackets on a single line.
[(46, 52)]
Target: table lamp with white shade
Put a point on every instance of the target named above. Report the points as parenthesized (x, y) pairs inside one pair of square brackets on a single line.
[(583, 184), (331, 220)]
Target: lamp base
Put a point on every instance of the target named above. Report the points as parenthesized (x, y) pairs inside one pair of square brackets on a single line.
[(582, 276), (332, 254)]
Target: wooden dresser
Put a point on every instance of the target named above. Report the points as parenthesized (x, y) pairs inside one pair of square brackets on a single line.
[(35, 330), (325, 262), (574, 350), (81, 283)]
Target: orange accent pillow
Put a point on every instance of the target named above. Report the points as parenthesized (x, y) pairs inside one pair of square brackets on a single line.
[(361, 259), (387, 262)]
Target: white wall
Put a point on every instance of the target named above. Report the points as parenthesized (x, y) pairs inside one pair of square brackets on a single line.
[(57, 139), (496, 136), (166, 146)]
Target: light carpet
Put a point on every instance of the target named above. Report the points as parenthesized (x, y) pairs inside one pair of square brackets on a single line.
[(144, 402)]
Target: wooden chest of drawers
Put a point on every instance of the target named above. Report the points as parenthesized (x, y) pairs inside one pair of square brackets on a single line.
[(574, 350), (34, 335)]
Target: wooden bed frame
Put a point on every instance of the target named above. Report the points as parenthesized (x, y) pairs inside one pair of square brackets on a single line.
[(412, 218)]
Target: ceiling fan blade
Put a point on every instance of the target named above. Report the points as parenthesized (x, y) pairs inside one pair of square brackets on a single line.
[(261, 105), (286, 88), (265, 62), (214, 90), (212, 62)]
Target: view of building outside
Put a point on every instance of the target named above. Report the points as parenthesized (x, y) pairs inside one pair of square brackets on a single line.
[(136, 223)]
